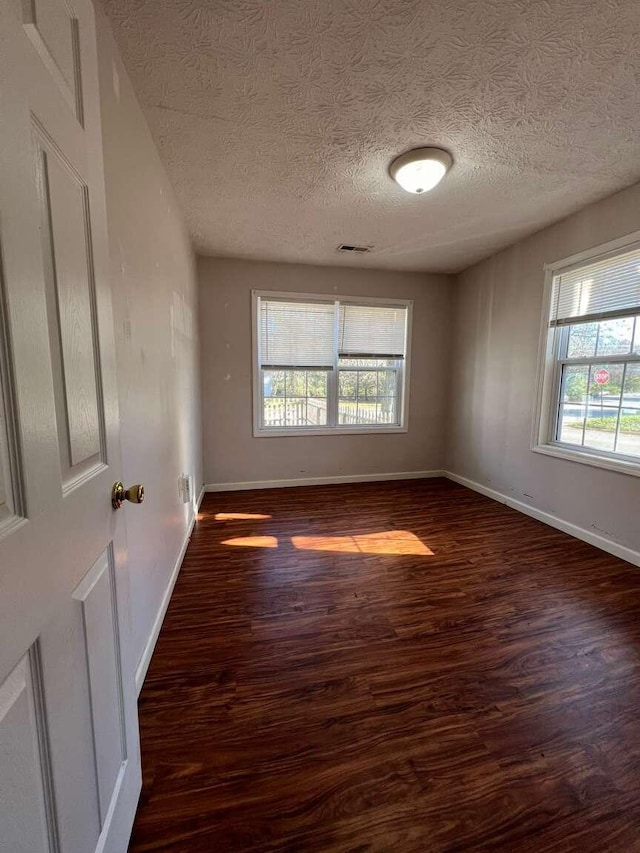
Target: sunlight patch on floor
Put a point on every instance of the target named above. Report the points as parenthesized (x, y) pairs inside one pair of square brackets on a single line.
[(240, 516), (391, 542), (253, 541)]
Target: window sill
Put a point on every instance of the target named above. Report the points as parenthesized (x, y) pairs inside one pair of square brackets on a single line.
[(561, 451), (355, 430)]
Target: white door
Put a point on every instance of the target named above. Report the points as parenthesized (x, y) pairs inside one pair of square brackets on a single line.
[(69, 748)]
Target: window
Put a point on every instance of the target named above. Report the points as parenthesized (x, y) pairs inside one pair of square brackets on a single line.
[(590, 400), (326, 365)]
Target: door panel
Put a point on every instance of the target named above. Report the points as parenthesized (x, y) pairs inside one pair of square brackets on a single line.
[(68, 271), (69, 719), (96, 596), (69, 745), (26, 815), (53, 30)]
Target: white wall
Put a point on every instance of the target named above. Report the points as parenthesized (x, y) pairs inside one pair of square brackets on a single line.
[(497, 327), (232, 454), (155, 314)]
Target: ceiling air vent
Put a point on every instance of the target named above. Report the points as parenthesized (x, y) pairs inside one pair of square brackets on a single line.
[(356, 250)]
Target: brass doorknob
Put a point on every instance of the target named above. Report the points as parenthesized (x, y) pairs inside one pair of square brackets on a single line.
[(134, 494)]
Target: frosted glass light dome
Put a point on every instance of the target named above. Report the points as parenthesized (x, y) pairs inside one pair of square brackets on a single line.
[(420, 170)]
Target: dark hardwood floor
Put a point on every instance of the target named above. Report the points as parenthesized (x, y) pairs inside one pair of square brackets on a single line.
[(402, 666)]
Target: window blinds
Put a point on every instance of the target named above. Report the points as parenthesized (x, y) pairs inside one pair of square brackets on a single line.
[(593, 291), (296, 334), (365, 330)]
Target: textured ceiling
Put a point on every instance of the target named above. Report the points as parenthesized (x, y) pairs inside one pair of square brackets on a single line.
[(277, 119)]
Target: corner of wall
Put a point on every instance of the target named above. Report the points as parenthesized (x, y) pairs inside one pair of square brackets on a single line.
[(154, 297)]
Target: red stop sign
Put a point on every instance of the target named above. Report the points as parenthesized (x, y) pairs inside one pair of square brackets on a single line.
[(602, 376)]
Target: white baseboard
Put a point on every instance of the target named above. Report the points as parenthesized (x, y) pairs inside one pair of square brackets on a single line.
[(595, 539), (150, 645), (321, 481)]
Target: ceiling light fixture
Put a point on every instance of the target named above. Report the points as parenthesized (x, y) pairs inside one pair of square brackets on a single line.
[(420, 170)]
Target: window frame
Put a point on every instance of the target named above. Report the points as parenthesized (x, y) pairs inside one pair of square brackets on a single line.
[(260, 431), (552, 357)]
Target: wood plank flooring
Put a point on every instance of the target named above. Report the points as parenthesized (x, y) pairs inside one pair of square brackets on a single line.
[(402, 666)]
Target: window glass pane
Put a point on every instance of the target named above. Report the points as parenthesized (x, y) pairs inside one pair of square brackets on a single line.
[(571, 423), (317, 383), (367, 397), (631, 396), (600, 429), (603, 409), (636, 336), (614, 336), (387, 397), (295, 398), (296, 383), (582, 340), (590, 413), (273, 383), (348, 384), (575, 383), (367, 384), (605, 385), (629, 432)]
